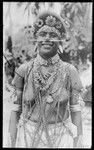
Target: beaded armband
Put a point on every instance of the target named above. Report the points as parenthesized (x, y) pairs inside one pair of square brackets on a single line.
[(80, 103), (16, 107), (74, 108), (79, 106)]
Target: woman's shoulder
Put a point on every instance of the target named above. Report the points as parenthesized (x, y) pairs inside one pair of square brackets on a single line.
[(23, 67), (73, 75), (68, 66)]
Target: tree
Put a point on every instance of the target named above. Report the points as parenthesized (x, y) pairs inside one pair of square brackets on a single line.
[(8, 15), (78, 16)]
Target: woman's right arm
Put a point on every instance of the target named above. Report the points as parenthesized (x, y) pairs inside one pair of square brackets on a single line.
[(14, 118), (18, 83)]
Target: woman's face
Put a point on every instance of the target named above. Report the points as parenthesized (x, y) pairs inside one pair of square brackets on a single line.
[(48, 42)]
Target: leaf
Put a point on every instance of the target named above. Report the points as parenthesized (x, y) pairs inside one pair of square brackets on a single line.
[(79, 6), (87, 15), (19, 4), (8, 10), (27, 6), (73, 9), (37, 5), (76, 10), (70, 45)]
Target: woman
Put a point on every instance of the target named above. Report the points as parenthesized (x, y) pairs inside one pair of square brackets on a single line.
[(48, 93)]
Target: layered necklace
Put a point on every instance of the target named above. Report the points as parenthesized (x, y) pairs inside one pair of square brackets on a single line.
[(45, 76)]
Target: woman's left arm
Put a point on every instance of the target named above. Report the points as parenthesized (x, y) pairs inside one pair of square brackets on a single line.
[(76, 103), (76, 118)]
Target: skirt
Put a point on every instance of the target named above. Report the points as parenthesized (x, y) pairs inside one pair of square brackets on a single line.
[(59, 135)]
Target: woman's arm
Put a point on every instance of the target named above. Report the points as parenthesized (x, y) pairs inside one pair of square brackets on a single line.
[(75, 102), (76, 118), (14, 118), (18, 82)]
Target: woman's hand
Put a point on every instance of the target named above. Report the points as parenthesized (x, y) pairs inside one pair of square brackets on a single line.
[(78, 142)]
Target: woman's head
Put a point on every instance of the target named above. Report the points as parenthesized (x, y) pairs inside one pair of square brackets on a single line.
[(49, 31)]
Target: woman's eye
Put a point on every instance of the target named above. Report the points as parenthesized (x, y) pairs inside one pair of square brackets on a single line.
[(42, 34), (53, 35)]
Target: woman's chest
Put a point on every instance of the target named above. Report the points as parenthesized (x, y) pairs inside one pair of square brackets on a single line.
[(52, 81)]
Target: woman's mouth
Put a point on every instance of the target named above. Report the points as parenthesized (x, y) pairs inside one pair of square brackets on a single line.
[(47, 44)]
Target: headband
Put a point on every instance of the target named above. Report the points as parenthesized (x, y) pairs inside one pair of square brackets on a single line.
[(49, 20)]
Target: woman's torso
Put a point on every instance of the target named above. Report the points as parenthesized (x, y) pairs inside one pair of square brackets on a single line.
[(53, 82)]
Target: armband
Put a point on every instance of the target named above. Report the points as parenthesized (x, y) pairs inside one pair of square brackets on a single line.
[(16, 107), (74, 108)]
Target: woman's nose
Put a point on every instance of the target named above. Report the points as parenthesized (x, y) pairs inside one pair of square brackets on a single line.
[(47, 36)]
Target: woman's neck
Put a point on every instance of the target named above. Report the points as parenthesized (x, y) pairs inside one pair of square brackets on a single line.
[(47, 56)]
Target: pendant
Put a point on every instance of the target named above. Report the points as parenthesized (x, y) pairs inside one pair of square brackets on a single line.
[(49, 99)]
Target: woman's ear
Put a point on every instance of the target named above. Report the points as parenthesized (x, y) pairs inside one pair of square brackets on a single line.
[(60, 49), (35, 49)]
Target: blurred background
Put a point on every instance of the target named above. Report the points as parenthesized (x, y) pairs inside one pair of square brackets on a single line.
[(18, 48)]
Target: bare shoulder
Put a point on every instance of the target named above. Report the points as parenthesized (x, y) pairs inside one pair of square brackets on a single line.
[(67, 66), (24, 66), (23, 69), (73, 76)]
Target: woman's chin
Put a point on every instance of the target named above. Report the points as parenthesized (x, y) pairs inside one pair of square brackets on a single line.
[(46, 49)]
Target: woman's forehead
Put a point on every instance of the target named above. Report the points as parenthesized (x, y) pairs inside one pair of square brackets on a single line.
[(48, 29)]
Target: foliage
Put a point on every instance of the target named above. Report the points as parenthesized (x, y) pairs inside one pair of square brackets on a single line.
[(79, 16), (80, 25), (9, 44), (77, 19)]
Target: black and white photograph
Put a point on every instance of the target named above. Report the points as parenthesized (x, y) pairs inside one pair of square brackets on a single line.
[(47, 74)]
